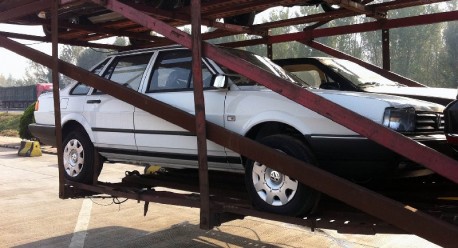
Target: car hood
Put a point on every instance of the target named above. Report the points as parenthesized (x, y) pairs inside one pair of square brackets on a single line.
[(392, 100), (438, 95)]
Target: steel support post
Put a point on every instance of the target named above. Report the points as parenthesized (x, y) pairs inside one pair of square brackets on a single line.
[(405, 217), (199, 103), (56, 95), (270, 52), (386, 49)]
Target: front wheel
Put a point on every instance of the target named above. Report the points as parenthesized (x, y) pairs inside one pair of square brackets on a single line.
[(78, 156), (272, 191)]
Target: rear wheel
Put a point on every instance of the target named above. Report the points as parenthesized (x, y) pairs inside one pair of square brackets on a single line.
[(272, 191), (78, 156)]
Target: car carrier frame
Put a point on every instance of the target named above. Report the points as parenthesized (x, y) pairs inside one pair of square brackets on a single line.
[(432, 215)]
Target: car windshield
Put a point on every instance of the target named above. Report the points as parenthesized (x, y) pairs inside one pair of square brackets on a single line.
[(265, 64), (357, 74)]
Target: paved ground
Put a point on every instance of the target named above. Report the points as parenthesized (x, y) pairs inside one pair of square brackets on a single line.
[(33, 216)]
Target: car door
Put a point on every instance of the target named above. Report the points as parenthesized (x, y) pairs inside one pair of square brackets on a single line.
[(111, 119), (171, 82)]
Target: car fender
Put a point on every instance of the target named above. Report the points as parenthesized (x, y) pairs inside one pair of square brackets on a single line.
[(81, 120), (276, 116)]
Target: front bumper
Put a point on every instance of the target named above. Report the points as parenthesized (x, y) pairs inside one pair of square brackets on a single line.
[(45, 133), (348, 156), (451, 123)]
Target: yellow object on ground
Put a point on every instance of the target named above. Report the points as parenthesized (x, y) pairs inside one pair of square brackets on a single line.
[(29, 149), (151, 169)]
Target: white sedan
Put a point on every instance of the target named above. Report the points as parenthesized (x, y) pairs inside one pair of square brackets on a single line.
[(122, 132)]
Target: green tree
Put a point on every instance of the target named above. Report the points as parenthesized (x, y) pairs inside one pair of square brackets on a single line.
[(3, 82), (26, 119), (36, 73), (451, 54), (419, 52)]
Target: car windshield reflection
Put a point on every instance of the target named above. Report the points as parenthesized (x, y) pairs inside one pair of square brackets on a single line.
[(357, 74)]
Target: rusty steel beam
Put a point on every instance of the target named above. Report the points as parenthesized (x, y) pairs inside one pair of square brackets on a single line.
[(367, 27), (398, 214), (81, 30), (183, 18), (386, 49), (61, 41), (24, 36), (246, 6), (356, 28), (162, 197), (23, 10), (390, 75), (56, 94), (399, 4), (93, 45), (388, 24), (199, 106), (305, 19)]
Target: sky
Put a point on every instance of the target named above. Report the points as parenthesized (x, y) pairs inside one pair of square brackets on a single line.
[(13, 64)]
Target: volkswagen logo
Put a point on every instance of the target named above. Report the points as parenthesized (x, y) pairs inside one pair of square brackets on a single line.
[(275, 176)]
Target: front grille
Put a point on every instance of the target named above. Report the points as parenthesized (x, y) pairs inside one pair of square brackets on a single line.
[(429, 122)]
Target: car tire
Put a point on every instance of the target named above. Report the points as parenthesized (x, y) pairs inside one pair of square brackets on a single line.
[(271, 191), (78, 157)]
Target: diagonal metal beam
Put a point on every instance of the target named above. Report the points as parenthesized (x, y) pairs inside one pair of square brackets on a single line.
[(23, 10)]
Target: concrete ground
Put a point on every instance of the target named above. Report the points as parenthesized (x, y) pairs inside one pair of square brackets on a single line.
[(32, 215)]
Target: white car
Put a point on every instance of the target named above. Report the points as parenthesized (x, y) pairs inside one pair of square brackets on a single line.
[(122, 132)]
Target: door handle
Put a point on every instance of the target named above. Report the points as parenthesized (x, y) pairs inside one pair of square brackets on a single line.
[(93, 101)]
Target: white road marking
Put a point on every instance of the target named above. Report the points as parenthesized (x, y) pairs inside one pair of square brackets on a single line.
[(80, 232)]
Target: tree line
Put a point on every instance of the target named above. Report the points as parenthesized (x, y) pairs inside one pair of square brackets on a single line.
[(427, 53)]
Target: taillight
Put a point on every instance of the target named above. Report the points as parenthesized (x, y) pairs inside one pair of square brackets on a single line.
[(37, 105)]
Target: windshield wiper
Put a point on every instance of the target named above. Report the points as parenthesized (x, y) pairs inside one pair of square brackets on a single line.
[(369, 84)]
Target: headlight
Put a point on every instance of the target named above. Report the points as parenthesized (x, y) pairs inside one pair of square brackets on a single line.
[(401, 120)]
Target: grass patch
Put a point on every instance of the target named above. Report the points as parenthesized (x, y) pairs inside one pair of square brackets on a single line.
[(9, 124)]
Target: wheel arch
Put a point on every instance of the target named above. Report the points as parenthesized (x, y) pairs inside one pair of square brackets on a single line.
[(275, 118), (268, 128), (72, 121)]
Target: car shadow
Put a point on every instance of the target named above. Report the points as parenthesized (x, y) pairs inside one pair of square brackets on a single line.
[(179, 235)]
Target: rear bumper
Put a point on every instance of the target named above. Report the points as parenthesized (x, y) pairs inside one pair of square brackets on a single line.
[(45, 133)]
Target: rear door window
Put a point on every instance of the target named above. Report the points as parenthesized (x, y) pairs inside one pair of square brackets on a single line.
[(128, 70)]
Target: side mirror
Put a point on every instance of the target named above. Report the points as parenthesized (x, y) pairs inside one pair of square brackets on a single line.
[(220, 81)]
